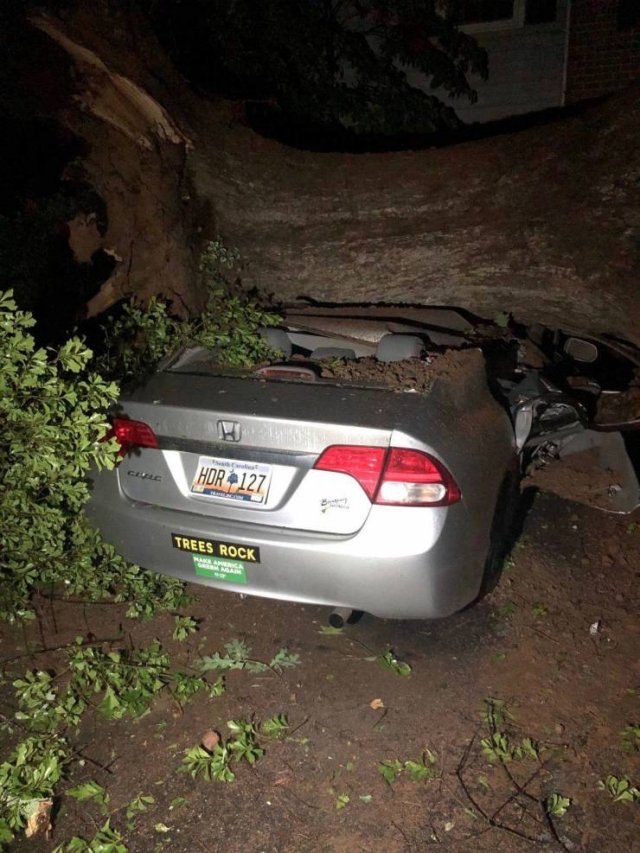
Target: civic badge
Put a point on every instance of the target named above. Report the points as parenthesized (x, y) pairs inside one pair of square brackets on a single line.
[(229, 430)]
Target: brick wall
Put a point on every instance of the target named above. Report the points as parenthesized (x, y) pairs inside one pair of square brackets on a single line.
[(604, 47)]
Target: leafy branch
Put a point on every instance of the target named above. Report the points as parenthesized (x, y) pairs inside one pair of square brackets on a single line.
[(424, 769), (215, 763), (238, 656)]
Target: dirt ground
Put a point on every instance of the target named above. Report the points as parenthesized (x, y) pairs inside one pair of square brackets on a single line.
[(558, 642)]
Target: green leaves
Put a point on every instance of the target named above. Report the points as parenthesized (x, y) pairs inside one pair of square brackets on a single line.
[(117, 682), (424, 770), (74, 356), (185, 625), (620, 789), (53, 419), (144, 334), (128, 680), (242, 745), (527, 749), (106, 840), (556, 805), (209, 765), (539, 609), (53, 426), (283, 659), (29, 774), (318, 62), (499, 747), (90, 791), (631, 738), (389, 661), (238, 656), (495, 713), (6, 835), (342, 801), (275, 727), (185, 686), (137, 806)]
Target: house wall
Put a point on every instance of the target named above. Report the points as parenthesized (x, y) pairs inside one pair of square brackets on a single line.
[(526, 67), (526, 72), (604, 47)]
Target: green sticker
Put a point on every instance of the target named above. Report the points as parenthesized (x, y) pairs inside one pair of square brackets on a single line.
[(219, 570)]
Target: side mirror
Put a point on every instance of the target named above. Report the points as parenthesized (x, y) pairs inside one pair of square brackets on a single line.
[(581, 350)]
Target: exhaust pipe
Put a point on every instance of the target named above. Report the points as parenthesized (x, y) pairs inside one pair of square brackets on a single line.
[(339, 617)]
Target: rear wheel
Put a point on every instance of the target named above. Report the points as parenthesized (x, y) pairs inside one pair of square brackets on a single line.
[(506, 528)]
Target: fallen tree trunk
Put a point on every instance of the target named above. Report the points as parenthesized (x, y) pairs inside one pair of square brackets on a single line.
[(542, 223)]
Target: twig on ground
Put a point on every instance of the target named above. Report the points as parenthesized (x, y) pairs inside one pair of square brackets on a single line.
[(403, 834), (554, 832), (492, 822)]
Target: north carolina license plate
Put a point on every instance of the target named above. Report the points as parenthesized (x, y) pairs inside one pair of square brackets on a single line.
[(232, 479)]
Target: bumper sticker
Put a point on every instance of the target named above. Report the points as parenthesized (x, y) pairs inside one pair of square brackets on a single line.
[(228, 551), (219, 570)]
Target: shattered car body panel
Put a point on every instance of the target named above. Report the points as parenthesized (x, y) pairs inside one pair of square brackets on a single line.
[(561, 403), (371, 466)]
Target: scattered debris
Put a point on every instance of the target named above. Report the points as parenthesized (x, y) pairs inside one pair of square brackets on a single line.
[(210, 739), (580, 477), (619, 408), (39, 819)]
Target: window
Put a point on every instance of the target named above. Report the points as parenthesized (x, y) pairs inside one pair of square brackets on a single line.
[(540, 11), (628, 14), (484, 11), (505, 14)]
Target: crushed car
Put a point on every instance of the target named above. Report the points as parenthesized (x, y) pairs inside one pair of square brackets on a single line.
[(374, 464)]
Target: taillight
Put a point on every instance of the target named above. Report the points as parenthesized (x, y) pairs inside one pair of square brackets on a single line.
[(397, 476), (130, 434), (363, 463), (413, 478)]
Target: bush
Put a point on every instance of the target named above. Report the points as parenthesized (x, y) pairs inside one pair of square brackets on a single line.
[(137, 340), (53, 422), (53, 426), (53, 430)]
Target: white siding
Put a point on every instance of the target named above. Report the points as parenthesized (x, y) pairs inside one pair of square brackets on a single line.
[(526, 70)]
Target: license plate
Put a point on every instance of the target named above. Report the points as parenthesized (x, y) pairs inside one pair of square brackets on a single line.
[(232, 480)]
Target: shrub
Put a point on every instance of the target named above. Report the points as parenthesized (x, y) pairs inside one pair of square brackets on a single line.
[(52, 429), (143, 334)]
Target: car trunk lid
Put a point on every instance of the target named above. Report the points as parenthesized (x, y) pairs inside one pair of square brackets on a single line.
[(244, 449)]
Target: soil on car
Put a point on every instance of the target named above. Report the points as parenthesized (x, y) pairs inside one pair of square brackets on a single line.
[(409, 374), (551, 656)]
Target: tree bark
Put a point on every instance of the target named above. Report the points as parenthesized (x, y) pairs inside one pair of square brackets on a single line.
[(136, 157), (543, 223)]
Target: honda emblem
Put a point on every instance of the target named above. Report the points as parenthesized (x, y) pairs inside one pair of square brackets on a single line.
[(229, 430)]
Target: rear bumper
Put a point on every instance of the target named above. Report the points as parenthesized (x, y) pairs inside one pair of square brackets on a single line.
[(404, 562)]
